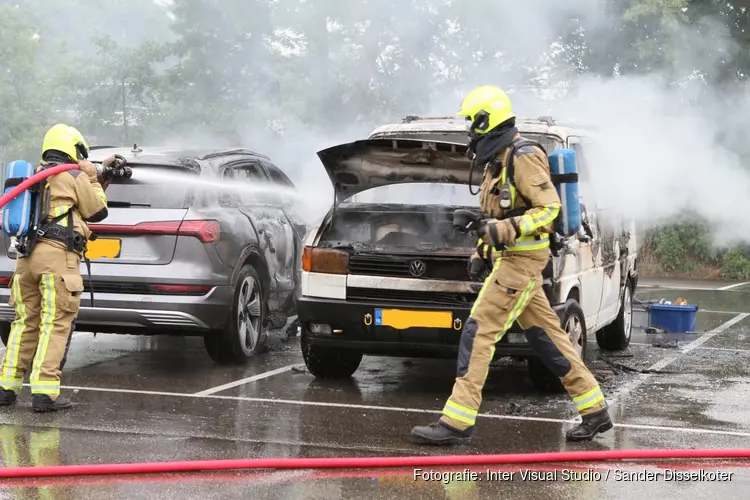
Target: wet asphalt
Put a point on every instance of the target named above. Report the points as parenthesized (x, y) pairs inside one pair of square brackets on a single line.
[(152, 399)]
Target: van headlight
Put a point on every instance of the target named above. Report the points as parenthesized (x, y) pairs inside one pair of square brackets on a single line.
[(325, 260)]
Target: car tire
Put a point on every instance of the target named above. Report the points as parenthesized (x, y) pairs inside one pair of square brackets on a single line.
[(573, 322), (328, 362), (616, 336), (245, 334), (4, 333)]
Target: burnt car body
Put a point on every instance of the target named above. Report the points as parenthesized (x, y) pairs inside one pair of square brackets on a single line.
[(190, 256), (389, 276)]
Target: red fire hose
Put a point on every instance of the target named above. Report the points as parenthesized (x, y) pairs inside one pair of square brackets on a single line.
[(39, 176), (370, 462), (395, 474)]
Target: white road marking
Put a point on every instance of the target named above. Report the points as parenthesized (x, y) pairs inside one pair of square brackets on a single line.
[(246, 380), (693, 430), (663, 363), (729, 287), (667, 287), (725, 349), (719, 312)]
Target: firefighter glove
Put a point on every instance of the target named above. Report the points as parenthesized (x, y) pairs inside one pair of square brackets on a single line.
[(476, 267), (109, 162), (498, 233), (89, 169)]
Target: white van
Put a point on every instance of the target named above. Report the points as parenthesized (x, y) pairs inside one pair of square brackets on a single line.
[(387, 249)]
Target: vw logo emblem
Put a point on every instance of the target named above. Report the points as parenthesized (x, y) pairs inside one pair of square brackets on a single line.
[(417, 268)]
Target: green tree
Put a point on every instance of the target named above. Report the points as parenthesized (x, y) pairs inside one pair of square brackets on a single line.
[(24, 108), (121, 100), (221, 60)]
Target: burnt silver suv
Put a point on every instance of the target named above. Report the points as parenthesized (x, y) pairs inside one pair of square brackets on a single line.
[(183, 258)]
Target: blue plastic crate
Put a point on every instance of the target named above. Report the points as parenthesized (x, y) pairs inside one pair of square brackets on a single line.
[(673, 318)]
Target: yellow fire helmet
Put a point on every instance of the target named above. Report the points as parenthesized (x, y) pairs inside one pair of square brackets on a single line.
[(67, 140), (485, 108)]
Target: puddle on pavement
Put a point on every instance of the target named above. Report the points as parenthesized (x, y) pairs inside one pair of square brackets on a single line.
[(736, 336), (731, 404), (678, 401), (711, 389), (704, 322), (706, 300)]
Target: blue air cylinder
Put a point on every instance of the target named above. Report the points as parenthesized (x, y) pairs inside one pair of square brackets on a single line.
[(564, 175), (16, 215)]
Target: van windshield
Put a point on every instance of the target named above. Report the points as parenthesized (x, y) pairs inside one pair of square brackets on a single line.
[(455, 137), (423, 193)]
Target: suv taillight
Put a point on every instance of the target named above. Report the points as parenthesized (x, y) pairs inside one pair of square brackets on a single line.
[(205, 230)]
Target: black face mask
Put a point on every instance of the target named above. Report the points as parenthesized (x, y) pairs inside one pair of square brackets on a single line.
[(482, 148), (473, 141)]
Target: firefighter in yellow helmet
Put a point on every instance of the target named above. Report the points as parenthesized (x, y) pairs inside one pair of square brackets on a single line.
[(521, 210), (47, 284)]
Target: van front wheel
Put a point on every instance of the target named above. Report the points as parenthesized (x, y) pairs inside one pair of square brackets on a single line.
[(616, 335), (573, 323), (328, 362)]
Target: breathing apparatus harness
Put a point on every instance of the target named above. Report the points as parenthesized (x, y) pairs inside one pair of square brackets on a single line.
[(484, 149), (52, 229)]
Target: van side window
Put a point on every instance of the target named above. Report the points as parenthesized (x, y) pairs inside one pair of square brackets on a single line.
[(549, 143), (583, 168)]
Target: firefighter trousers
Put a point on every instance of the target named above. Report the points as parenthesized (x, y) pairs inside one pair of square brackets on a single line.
[(513, 293), (46, 294)]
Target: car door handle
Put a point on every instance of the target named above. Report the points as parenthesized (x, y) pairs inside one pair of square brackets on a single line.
[(267, 237)]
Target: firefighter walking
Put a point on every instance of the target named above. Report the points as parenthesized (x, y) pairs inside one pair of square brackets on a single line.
[(513, 290), (47, 284)]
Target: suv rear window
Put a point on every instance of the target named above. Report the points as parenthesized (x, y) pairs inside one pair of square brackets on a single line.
[(156, 188)]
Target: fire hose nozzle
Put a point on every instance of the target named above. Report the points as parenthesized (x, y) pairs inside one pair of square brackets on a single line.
[(119, 168), (124, 172)]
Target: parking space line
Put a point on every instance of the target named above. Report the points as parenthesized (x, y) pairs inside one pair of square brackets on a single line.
[(244, 381), (693, 430), (686, 287), (730, 287), (660, 365), (666, 287), (725, 349), (720, 312)]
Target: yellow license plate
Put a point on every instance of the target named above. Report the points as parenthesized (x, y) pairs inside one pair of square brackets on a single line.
[(102, 248), (402, 319)]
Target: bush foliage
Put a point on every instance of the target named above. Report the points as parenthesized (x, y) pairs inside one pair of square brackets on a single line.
[(685, 249)]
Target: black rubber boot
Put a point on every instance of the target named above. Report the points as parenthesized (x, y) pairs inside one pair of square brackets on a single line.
[(591, 425), (441, 434), (43, 403), (7, 397)]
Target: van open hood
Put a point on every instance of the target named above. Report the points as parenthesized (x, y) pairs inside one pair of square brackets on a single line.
[(369, 163)]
